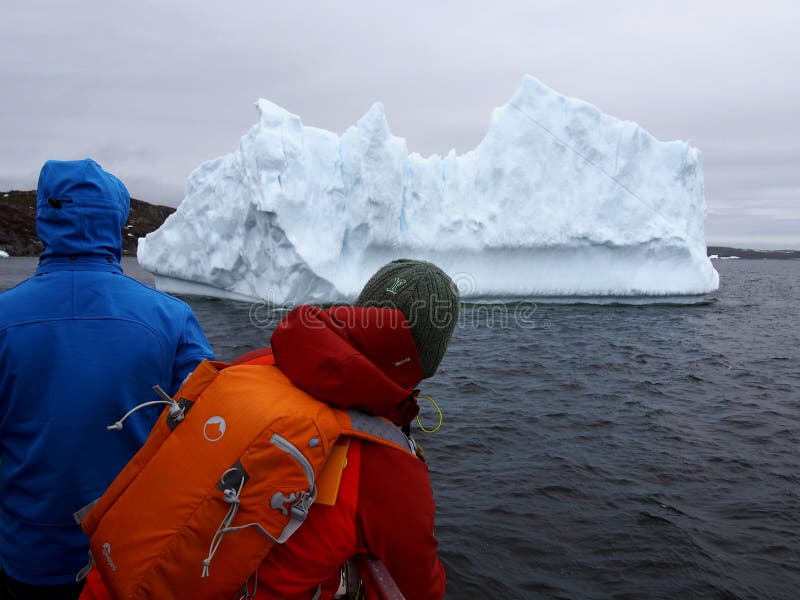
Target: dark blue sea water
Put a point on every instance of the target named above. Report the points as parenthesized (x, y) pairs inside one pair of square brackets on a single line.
[(608, 451)]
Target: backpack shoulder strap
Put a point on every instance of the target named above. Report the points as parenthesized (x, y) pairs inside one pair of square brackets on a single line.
[(375, 429), (357, 424)]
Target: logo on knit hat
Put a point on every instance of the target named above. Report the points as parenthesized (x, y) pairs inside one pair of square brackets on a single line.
[(396, 283)]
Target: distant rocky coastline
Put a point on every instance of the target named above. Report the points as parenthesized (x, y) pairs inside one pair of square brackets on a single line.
[(18, 223), (728, 252), (18, 229)]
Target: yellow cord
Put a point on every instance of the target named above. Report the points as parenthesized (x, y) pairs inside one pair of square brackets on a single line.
[(439, 410)]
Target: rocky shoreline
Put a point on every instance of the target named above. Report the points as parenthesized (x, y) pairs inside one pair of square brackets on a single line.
[(18, 223)]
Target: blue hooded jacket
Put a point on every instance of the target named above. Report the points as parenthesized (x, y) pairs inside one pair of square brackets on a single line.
[(80, 345)]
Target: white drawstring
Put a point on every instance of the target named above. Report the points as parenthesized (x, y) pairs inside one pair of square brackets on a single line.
[(175, 410), (232, 497), (118, 424)]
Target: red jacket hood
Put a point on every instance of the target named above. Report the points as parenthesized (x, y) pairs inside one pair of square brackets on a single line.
[(351, 357)]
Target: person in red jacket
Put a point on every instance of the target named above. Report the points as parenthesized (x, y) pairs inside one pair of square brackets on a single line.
[(384, 507)]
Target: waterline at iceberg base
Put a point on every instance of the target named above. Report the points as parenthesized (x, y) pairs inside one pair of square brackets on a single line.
[(557, 201)]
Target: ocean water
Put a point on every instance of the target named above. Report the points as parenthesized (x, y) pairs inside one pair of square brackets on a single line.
[(607, 451)]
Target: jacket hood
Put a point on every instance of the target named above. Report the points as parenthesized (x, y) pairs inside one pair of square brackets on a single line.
[(80, 210), (351, 357)]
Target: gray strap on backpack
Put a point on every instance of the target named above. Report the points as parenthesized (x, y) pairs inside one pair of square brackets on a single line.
[(380, 428), (80, 515)]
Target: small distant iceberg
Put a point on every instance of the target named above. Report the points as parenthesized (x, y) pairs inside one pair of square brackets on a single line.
[(718, 257), (557, 201)]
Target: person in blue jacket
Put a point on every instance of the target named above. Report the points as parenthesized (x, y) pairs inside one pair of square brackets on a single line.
[(80, 345)]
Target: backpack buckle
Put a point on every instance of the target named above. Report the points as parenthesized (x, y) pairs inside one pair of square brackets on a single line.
[(301, 505)]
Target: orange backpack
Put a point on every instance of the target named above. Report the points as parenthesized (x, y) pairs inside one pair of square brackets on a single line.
[(229, 469)]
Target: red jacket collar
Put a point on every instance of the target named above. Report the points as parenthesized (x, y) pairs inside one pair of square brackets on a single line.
[(351, 357)]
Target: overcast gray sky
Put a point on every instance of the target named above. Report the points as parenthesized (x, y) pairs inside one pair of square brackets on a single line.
[(151, 89)]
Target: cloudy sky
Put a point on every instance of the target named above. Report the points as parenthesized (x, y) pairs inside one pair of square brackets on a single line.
[(151, 89)]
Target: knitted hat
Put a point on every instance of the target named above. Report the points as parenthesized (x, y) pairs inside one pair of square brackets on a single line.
[(428, 299)]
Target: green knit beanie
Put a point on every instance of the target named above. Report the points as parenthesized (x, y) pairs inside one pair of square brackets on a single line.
[(428, 299)]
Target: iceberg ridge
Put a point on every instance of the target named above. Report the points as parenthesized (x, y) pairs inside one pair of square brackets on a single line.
[(557, 200)]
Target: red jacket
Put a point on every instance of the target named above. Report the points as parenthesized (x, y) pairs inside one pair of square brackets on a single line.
[(352, 358)]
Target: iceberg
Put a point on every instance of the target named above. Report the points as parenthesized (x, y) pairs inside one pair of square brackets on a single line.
[(557, 201)]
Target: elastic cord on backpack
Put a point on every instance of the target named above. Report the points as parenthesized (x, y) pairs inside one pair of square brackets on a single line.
[(246, 593), (118, 425), (175, 409), (232, 497)]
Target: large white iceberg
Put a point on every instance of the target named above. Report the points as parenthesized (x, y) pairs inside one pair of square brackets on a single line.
[(558, 200)]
